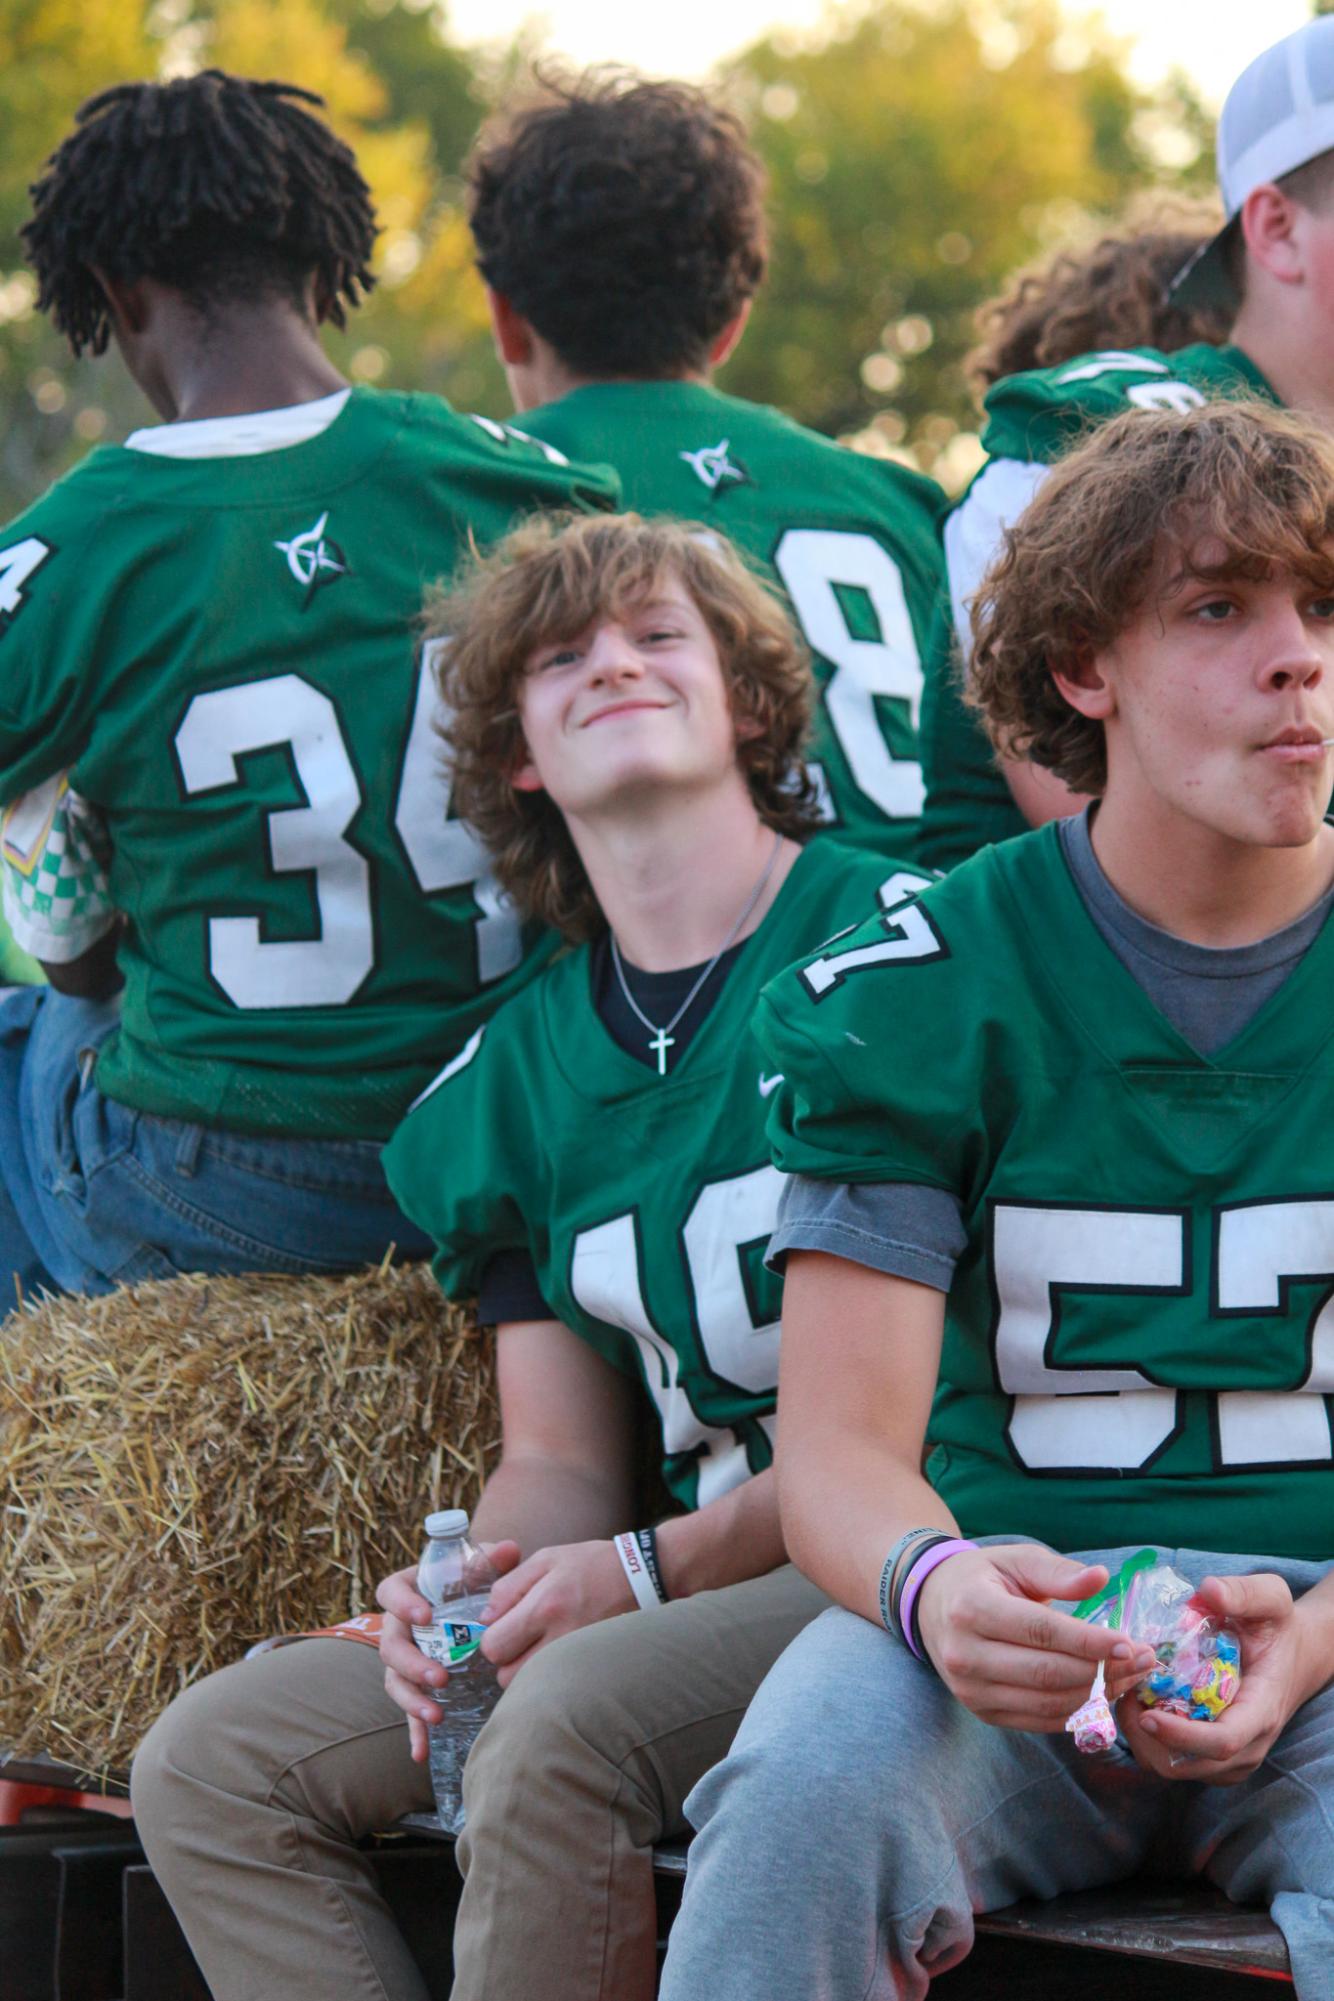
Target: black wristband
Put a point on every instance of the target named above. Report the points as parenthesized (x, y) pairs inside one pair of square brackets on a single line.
[(648, 1548), (914, 1638), (901, 1576)]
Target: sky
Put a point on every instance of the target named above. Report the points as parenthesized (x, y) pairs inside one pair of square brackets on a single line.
[(1212, 40)]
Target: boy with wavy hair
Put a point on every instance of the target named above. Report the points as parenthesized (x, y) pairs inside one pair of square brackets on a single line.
[(620, 230), (1107, 1083), (629, 711)]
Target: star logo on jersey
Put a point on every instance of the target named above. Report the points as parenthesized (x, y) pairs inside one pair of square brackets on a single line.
[(712, 465), (314, 558)]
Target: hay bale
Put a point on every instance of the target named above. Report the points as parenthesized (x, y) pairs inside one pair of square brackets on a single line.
[(189, 1466)]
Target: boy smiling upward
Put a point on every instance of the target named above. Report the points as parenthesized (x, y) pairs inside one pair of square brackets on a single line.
[(628, 707)]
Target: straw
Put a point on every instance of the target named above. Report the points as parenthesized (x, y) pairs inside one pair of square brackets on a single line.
[(187, 1467)]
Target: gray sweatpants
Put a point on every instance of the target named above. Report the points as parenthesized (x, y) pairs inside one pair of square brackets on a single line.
[(863, 1816)]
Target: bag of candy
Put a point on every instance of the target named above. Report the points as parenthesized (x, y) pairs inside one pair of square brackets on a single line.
[(1197, 1669)]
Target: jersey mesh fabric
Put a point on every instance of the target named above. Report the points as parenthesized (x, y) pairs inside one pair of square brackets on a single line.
[(221, 652), (1134, 1346), (853, 541), (645, 1202), (1035, 418)]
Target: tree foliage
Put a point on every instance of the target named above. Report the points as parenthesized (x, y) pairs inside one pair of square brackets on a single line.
[(395, 88), (53, 54), (919, 150)]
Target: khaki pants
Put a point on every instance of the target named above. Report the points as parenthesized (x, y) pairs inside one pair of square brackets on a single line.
[(253, 1789)]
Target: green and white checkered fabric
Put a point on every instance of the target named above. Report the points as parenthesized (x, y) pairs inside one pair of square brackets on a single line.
[(53, 855)]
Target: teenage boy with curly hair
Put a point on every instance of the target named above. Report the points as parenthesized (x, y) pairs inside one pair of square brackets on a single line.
[(629, 711), (1247, 315), (1099, 1058)]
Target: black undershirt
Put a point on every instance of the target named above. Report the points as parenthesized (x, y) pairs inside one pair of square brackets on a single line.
[(509, 1289)]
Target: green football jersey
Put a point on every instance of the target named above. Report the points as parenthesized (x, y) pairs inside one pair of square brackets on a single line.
[(1031, 420), (1139, 1341), (221, 652), (1039, 415), (645, 1202), (853, 541)]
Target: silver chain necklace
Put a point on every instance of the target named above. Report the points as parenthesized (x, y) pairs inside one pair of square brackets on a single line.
[(662, 1039)]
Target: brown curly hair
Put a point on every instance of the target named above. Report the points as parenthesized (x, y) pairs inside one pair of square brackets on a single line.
[(547, 581), (1111, 295), (623, 219), (1114, 524)]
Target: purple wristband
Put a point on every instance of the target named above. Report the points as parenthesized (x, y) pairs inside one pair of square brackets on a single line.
[(917, 1576)]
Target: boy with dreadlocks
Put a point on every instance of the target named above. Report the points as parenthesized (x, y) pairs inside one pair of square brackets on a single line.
[(209, 629)]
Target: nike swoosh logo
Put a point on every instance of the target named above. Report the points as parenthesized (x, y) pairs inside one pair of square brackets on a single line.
[(768, 1085)]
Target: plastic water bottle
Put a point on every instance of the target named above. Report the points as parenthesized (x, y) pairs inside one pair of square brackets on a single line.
[(456, 1577)]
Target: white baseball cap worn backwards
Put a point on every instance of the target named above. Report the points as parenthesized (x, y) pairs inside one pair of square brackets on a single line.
[(1278, 115)]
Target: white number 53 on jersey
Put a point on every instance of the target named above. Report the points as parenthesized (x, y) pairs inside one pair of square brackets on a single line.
[(1068, 1419)]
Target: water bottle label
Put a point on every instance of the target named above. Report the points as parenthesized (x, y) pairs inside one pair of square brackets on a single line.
[(451, 1641)]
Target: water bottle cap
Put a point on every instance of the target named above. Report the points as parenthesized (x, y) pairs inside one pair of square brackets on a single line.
[(449, 1521)]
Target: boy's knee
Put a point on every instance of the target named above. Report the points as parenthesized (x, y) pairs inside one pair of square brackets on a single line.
[(566, 1705), (238, 1730), (206, 1740), (846, 1702), (172, 1766), (843, 1719), (777, 1768)]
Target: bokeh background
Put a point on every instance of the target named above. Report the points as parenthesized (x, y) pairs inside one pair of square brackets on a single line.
[(919, 151)]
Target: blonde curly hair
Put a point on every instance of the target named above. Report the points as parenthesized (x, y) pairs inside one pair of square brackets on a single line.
[(547, 581)]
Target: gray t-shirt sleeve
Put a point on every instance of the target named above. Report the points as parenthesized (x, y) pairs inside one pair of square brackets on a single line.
[(899, 1227)]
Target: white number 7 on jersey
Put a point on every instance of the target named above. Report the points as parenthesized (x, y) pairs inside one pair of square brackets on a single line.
[(912, 935)]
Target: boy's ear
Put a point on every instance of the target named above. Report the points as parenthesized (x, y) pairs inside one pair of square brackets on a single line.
[(725, 342), (525, 777), (1085, 685), (511, 331), (1271, 226), (126, 300)]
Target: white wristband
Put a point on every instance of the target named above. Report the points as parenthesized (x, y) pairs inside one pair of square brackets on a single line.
[(636, 1570)]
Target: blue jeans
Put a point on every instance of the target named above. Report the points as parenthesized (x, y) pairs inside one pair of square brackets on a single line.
[(94, 1195), (863, 1816)]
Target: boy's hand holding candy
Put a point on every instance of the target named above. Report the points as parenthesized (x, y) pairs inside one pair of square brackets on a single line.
[(1195, 1715), (1284, 1664)]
